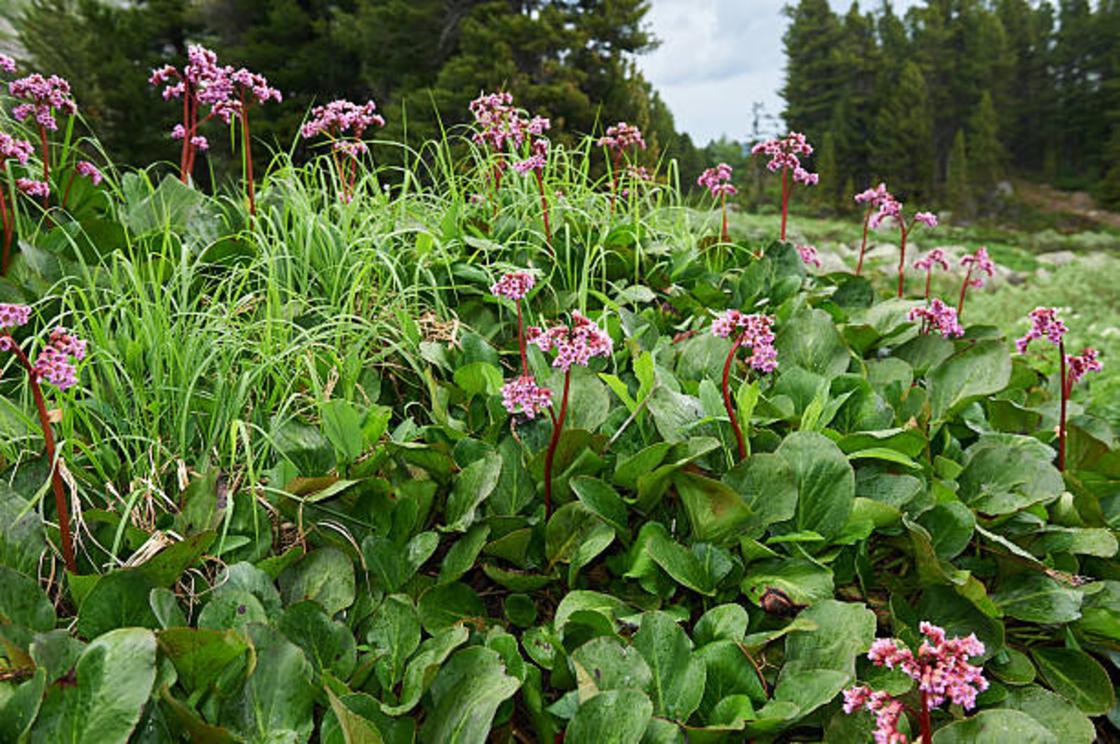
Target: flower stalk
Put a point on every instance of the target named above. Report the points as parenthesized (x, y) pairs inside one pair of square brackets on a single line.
[(755, 332), (785, 155)]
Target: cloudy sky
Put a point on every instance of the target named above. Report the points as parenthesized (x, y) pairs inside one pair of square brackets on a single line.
[(718, 57)]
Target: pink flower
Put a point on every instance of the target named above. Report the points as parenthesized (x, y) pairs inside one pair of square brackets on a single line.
[(756, 334), (874, 197), (514, 285), (200, 142), (936, 257), (256, 85), (89, 170), (523, 395), (55, 363), (621, 137), (784, 153), (44, 96), (800, 175), (889, 207), (31, 187), (929, 219), (19, 149), (938, 316), (1044, 324), (500, 124), (574, 345), (7, 64), (13, 316), (978, 261), (809, 255), (342, 118), (178, 132), (1081, 365), (537, 161), (717, 181)]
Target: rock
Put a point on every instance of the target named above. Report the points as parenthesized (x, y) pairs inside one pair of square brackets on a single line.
[(1057, 258)]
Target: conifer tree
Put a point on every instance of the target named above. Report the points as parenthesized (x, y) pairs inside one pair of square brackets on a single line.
[(958, 190), (904, 152), (986, 153)]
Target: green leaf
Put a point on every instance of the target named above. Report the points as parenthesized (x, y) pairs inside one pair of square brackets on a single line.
[(767, 486), (1076, 676), (612, 665), (21, 531), (325, 575), (342, 425), (805, 581), (716, 513), (726, 622), (810, 341), (18, 711), (981, 368), (200, 654), (678, 677), (581, 602), (277, 699), (463, 554), (118, 599), (351, 720), (809, 689), (22, 601), (465, 696), (825, 482), (727, 671), (1000, 725), (844, 631), (602, 499), (423, 666), (566, 532), (327, 644), (449, 604), (354, 728), (472, 486), (1037, 598), (478, 378), (393, 634), (1068, 724), (114, 679), (612, 717), (679, 562), (1005, 473)]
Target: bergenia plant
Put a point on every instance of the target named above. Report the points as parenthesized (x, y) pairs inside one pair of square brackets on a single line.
[(574, 345), (717, 181), (343, 123), (501, 126), (874, 199), (809, 255), (975, 264), (1045, 324), (43, 98), (20, 151), (891, 208), (785, 155), (754, 332), (926, 263), (250, 88), (943, 673), (535, 164), (939, 317), (54, 365), (618, 140)]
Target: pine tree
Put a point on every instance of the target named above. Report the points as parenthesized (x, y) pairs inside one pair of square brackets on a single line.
[(986, 154), (904, 152), (827, 192), (958, 190), (815, 70)]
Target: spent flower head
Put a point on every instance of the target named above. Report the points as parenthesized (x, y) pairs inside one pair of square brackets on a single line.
[(1045, 323), (753, 331), (574, 344), (514, 285), (978, 262), (938, 317), (523, 395)]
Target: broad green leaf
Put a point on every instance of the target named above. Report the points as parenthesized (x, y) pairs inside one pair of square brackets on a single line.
[(350, 721), (844, 631), (805, 581), (810, 341), (422, 667), (677, 676), (113, 681), (200, 654), (1000, 725), (612, 665), (1037, 598), (582, 601), (18, 710), (342, 425), (393, 634), (683, 565), (1076, 676), (472, 486), (601, 498), (354, 729), (767, 486), (728, 670), (567, 529), (21, 531), (465, 696), (449, 604), (1068, 724), (462, 556), (717, 513), (726, 622), (825, 482), (325, 576), (809, 689), (118, 599), (983, 367), (612, 717), (22, 601), (276, 701), (1006, 473), (327, 644)]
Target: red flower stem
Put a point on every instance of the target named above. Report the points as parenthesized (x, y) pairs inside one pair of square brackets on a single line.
[(964, 289), (6, 217), (69, 185), (48, 441), (1065, 390), (929, 277), (186, 123), (727, 396), (905, 230), (521, 340), (557, 427), (924, 722), (246, 143), (863, 245), (724, 236), (616, 161), (785, 199), (544, 211)]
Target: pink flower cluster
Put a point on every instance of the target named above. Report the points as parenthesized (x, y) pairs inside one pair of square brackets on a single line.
[(89, 170), (786, 152), (514, 286), (622, 136), (10, 147), (43, 96), (13, 316), (1045, 323), (500, 124), (344, 122), (574, 345), (939, 317), (32, 187), (523, 395), (809, 255), (936, 257), (756, 333), (537, 160), (887, 712), (55, 363), (1081, 365), (980, 262), (940, 668), (929, 219), (7, 64), (873, 197), (717, 181)]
